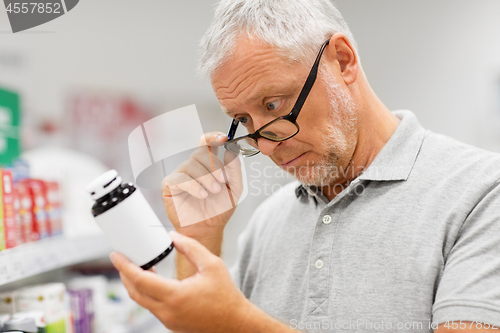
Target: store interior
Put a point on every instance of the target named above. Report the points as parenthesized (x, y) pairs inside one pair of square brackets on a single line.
[(80, 84)]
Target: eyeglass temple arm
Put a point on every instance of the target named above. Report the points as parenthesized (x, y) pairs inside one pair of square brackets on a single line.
[(309, 84), (232, 129)]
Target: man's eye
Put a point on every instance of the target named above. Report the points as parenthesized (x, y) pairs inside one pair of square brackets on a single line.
[(243, 120), (273, 105)]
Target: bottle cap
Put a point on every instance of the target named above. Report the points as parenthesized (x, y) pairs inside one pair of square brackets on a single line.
[(104, 184), (25, 325)]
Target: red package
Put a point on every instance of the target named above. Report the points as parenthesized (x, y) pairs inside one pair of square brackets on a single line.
[(26, 212), (16, 203), (10, 228), (40, 220), (54, 207)]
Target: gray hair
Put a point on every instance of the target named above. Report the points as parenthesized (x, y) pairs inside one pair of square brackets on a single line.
[(296, 28)]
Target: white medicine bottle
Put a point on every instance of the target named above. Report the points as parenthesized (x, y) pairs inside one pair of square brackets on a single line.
[(128, 221)]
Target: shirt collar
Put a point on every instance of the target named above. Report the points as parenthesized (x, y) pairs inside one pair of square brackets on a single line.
[(396, 159)]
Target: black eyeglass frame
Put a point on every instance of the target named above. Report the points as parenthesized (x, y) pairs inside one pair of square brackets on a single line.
[(291, 117)]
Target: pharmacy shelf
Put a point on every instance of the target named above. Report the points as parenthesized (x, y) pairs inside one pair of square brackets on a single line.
[(51, 253)]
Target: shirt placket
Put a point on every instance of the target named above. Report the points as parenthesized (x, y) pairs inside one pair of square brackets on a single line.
[(320, 267)]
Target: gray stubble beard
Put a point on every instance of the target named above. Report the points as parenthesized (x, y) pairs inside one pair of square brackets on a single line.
[(344, 114)]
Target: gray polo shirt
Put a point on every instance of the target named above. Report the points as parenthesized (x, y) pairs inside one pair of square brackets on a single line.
[(414, 241)]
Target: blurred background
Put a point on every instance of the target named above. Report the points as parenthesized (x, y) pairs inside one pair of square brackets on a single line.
[(86, 79)]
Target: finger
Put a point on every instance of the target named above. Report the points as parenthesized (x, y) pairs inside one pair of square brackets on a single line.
[(153, 269), (196, 253), (207, 156), (165, 188), (196, 170), (215, 144), (232, 169), (141, 299), (199, 173), (213, 139), (181, 182), (144, 282)]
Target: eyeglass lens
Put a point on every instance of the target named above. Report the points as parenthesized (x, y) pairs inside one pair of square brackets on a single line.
[(278, 130), (246, 147)]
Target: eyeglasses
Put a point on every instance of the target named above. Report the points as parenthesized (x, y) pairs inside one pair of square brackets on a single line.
[(280, 129)]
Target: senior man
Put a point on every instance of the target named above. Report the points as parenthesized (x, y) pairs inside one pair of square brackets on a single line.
[(389, 227)]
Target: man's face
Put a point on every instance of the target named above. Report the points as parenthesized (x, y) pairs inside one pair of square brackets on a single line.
[(256, 85)]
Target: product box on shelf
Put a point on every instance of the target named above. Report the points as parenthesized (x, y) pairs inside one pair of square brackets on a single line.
[(7, 210), (82, 309), (48, 298), (9, 131), (16, 205), (20, 170), (2, 226), (90, 304), (26, 212), (38, 196), (54, 207), (122, 310), (39, 199), (98, 284), (7, 304), (70, 324)]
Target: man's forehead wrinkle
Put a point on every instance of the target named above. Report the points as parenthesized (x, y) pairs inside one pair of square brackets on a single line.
[(250, 86), (247, 75), (232, 95), (233, 105), (234, 85), (237, 76)]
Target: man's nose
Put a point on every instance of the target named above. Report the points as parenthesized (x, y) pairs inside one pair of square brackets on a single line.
[(267, 147)]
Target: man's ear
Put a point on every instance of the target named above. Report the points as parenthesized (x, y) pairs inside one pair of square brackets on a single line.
[(341, 51)]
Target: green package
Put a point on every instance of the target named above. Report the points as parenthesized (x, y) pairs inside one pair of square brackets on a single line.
[(10, 114)]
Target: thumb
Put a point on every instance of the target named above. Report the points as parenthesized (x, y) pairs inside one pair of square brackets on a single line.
[(197, 254), (233, 171)]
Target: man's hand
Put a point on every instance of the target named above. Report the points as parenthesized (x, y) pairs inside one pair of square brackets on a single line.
[(208, 301), (203, 190), (201, 195)]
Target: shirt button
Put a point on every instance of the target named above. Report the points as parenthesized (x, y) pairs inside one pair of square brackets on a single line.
[(327, 219), (319, 264)]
